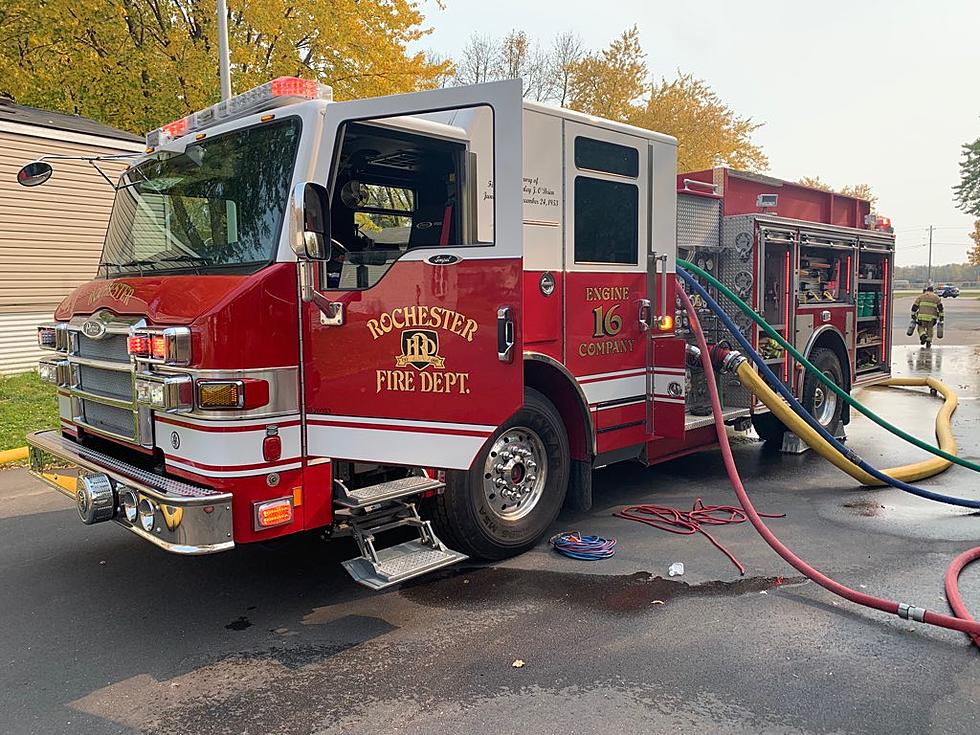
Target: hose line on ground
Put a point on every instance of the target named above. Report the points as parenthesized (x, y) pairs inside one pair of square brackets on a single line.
[(787, 394), (841, 393), (964, 623), (907, 473)]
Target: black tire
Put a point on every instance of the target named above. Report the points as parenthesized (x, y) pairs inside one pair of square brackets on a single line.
[(769, 428), (462, 515), (815, 393)]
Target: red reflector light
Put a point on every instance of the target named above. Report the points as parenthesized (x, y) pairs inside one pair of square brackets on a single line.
[(176, 128), (294, 87), (272, 448), (158, 347), (274, 513), (138, 345)]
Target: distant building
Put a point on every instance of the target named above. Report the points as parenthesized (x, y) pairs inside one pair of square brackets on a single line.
[(50, 236)]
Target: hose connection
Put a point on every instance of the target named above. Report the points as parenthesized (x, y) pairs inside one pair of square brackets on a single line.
[(722, 358), (911, 612)]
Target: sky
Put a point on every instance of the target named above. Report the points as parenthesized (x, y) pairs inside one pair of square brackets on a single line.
[(864, 91)]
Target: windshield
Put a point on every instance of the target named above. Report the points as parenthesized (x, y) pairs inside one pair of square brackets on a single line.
[(217, 206)]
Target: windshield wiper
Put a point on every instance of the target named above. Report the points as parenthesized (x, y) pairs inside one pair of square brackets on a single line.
[(138, 264), (185, 259)]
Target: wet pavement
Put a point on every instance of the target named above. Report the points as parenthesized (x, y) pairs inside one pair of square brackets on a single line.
[(101, 633)]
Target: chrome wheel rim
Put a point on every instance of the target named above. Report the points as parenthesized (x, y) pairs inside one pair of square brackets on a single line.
[(515, 473), (824, 403)]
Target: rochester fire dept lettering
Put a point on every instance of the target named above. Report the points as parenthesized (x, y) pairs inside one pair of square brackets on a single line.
[(122, 292), (431, 317), (420, 366)]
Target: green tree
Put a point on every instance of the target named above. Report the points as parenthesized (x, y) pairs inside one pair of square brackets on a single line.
[(136, 64), (611, 82), (708, 132), (967, 192), (974, 255), (858, 191)]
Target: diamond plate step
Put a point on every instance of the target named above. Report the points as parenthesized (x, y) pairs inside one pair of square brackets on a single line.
[(400, 562), (362, 497)]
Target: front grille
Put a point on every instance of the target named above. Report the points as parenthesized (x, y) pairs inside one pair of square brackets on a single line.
[(111, 347), (114, 381), (110, 383), (108, 418)]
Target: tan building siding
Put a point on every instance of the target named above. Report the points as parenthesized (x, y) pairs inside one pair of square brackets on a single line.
[(51, 235)]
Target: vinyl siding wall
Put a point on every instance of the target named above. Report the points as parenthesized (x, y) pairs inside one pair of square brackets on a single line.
[(51, 235)]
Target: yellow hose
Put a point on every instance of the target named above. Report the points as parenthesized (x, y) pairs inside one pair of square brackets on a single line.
[(13, 455), (906, 473)]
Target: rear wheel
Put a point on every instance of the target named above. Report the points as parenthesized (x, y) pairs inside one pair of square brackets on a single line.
[(506, 501), (822, 403), (768, 427)]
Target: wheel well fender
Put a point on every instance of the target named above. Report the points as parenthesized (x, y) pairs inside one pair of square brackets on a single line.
[(549, 377), (829, 338)]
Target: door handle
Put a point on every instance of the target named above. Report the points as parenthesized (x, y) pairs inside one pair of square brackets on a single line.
[(661, 306), (646, 315), (505, 334)]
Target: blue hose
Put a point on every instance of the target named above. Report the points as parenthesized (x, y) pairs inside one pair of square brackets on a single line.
[(787, 394)]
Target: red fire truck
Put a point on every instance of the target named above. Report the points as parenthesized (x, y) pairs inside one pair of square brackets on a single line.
[(438, 311)]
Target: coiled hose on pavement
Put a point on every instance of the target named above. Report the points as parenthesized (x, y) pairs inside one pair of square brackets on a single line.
[(907, 473), (841, 393), (963, 623), (802, 413)]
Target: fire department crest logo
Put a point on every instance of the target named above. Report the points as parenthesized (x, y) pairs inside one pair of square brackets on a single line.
[(420, 348)]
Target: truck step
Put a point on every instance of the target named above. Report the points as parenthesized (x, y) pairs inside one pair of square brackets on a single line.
[(399, 563), (379, 568), (363, 497)]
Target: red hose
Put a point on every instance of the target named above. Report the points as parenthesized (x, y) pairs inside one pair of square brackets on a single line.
[(687, 523), (964, 623), (953, 589)]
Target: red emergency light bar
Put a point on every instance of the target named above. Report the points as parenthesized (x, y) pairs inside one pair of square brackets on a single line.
[(280, 91)]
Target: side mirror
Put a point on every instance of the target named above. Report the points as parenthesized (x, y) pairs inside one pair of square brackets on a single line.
[(34, 173), (311, 239)]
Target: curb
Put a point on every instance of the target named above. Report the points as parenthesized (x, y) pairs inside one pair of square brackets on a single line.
[(13, 455)]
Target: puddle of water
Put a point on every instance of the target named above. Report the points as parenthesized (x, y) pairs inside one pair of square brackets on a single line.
[(865, 507), (631, 593)]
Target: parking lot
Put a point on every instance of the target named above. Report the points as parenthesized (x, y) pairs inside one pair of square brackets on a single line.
[(103, 633)]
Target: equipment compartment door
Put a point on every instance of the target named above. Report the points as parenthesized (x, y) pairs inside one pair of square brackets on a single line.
[(421, 360), (607, 200)]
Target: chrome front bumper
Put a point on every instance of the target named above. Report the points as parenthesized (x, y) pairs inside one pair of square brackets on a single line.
[(184, 518)]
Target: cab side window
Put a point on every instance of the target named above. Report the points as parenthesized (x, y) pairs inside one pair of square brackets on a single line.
[(394, 190)]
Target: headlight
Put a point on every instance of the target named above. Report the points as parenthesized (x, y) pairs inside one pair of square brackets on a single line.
[(53, 336), (165, 392), (53, 371)]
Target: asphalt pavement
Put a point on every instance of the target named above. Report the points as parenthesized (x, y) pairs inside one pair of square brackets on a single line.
[(102, 633)]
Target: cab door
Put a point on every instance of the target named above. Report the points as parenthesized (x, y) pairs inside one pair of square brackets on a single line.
[(413, 355)]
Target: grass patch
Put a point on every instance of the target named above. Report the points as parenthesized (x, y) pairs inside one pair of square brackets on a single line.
[(26, 405)]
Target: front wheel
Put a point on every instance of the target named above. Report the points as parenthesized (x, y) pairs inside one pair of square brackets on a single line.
[(506, 501)]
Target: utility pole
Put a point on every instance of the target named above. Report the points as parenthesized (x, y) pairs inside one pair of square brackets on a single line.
[(223, 62), (929, 276)]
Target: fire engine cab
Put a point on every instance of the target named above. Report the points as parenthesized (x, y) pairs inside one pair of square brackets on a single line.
[(439, 311)]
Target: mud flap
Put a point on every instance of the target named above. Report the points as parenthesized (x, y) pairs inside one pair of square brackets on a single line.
[(579, 496)]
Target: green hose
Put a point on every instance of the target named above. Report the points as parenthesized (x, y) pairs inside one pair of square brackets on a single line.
[(843, 394)]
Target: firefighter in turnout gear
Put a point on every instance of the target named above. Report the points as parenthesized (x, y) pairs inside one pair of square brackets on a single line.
[(927, 311)]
